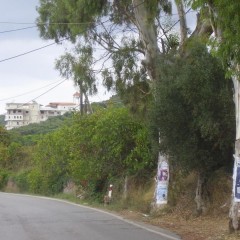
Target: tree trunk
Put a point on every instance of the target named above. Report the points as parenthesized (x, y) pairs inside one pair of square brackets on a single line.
[(201, 194), (81, 101), (148, 37), (182, 20), (234, 222), (88, 106), (125, 188)]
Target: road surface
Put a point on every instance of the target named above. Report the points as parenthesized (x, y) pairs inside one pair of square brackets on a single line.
[(25, 217)]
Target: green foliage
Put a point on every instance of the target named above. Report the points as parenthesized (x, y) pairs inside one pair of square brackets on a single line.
[(225, 15), (98, 25), (3, 178), (21, 180), (2, 120), (51, 159), (118, 139), (195, 112), (229, 47), (30, 134), (36, 181), (68, 12), (109, 143), (4, 136)]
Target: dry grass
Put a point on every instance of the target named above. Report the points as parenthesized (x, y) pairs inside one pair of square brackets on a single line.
[(213, 225)]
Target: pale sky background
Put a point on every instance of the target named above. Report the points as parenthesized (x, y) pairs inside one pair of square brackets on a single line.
[(35, 70), (33, 73)]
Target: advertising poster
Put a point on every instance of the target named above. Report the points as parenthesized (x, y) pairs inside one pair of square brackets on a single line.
[(162, 181), (236, 179)]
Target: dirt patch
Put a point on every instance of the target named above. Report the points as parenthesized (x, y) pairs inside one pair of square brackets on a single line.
[(201, 228)]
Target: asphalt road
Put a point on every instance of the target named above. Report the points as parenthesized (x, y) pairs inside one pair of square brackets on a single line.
[(32, 218)]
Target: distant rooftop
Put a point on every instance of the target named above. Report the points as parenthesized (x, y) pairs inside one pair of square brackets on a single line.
[(51, 104)]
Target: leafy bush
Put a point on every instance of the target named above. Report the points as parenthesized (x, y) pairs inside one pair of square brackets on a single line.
[(22, 181), (3, 178)]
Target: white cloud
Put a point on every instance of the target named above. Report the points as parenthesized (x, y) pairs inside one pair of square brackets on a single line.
[(34, 70)]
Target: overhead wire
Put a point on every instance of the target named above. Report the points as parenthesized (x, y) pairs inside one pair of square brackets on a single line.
[(48, 45), (31, 51), (54, 43), (62, 40), (18, 29), (48, 90), (29, 92), (41, 94)]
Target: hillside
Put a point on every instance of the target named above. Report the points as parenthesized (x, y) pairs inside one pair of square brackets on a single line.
[(28, 135)]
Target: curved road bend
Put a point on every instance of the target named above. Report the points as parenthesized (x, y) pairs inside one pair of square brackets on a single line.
[(34, 218)]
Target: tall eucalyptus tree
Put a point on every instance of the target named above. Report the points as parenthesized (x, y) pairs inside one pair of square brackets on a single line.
[(133, 34)]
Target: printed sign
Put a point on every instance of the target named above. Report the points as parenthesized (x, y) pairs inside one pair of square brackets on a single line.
[(236, 179), (162, 181)]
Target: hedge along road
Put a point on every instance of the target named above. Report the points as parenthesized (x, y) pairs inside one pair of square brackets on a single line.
[(25, 217)]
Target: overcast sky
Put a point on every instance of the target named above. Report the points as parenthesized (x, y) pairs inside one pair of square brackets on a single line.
[(25, 78), (33, 73)]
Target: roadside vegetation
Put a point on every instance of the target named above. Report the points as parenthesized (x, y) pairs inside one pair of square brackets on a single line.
[(79, 161), (175, 94)]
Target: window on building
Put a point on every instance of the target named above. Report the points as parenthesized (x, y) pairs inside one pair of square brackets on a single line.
[(19, 111), (26, 111), (14, 111)]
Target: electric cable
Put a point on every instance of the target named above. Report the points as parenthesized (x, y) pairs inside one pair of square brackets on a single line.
[(41, 94), (18, 29), (26, 93), (48, 90), (31, 51), (25, 53)]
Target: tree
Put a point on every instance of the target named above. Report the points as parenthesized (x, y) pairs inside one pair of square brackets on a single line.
[(111, 144), (79, 69), (136, 53), (226, 46), (195, 116), (94, 149), (50, 171)]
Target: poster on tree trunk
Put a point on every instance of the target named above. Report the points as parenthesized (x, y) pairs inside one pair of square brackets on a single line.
[(162, 180), (236, 179)]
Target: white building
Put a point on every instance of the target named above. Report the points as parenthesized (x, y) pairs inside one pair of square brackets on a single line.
[(22, 114)]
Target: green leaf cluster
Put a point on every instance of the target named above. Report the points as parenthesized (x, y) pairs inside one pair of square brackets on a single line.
[(195, 112), (109, 143)]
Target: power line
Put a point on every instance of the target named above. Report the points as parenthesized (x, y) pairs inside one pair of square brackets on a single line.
[(49, 90), (40, 48), (34, 50), (42, 94), (23, 94), (18, 29), (54, 43), (169, 29)]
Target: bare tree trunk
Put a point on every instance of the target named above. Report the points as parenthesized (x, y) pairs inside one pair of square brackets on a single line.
[(81, 102), (148, 37), (88, 105), (125, 188), (200, 194), (182, 20)]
